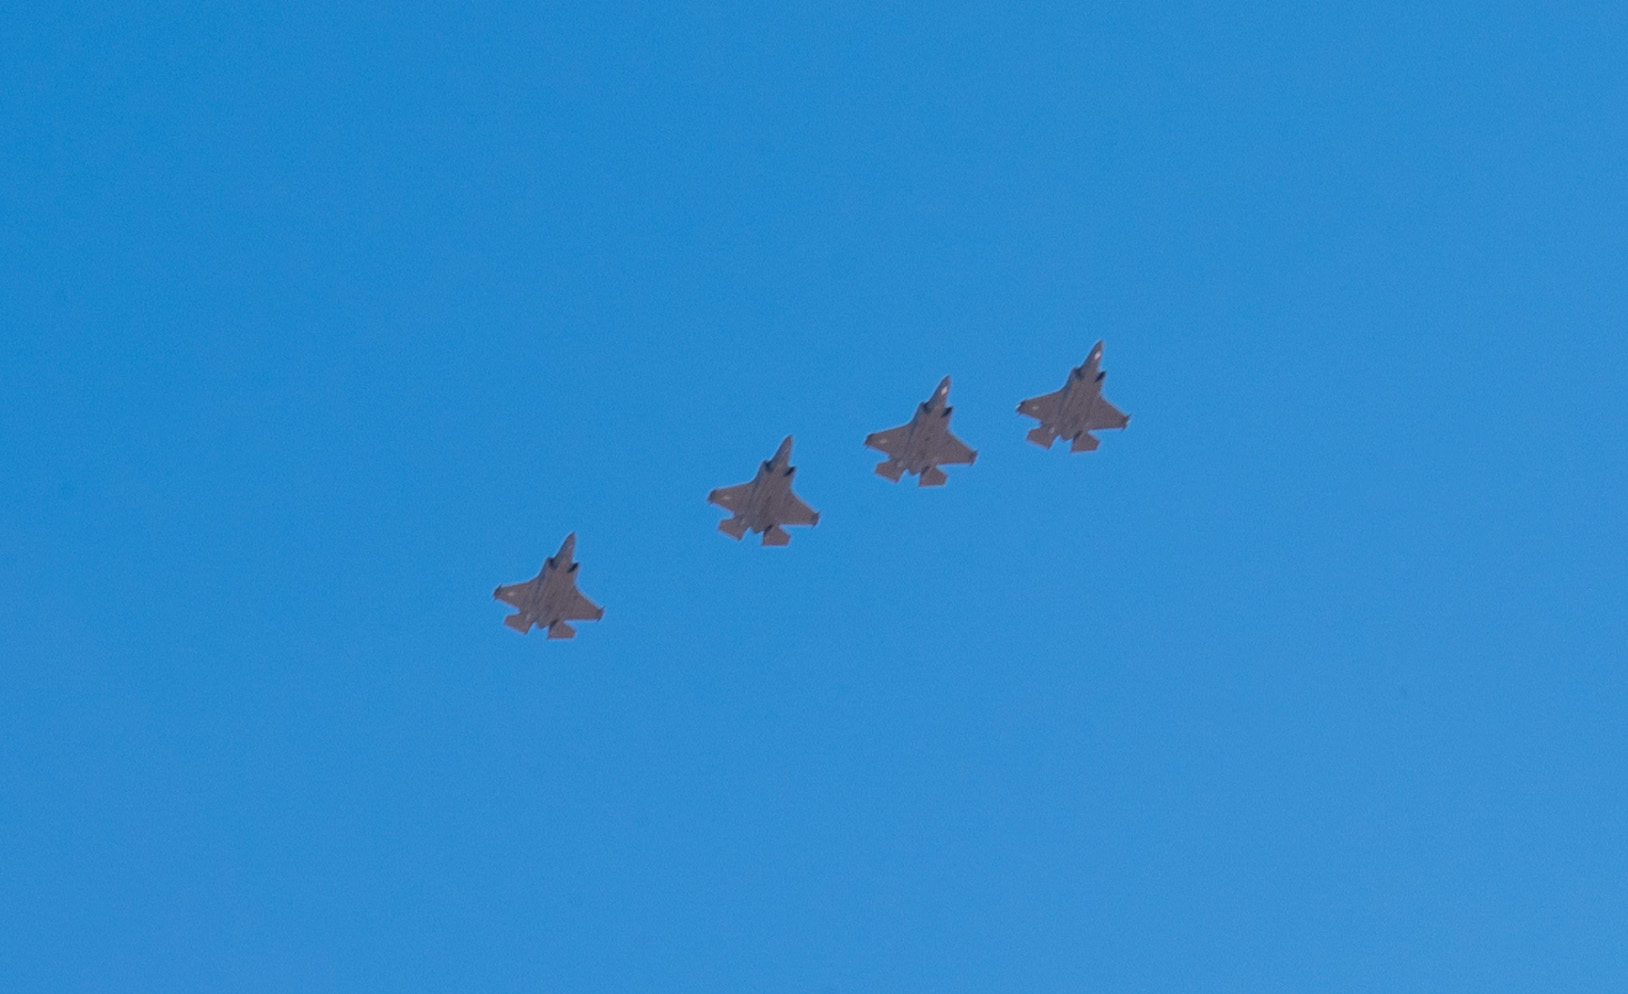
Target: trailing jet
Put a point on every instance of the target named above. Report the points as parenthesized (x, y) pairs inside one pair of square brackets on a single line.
[(920, 446), (766, 503), (1076, 410), (551, 598)]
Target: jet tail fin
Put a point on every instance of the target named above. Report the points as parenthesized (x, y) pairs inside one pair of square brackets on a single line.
[(776, 536), (560, 630), (733, 527), (1042, 436), (519, 622), (932, 476), (1084, 442), (889, 469)]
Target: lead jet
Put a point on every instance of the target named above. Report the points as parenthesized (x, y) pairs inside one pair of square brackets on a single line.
[(923, 444), (1075, 411), (765, 503), (551, 598)]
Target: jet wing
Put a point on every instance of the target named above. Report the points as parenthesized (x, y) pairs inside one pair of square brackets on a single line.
[(890, 441), (1044, 409), (580, 608), (730, 498), (1105, 415), (951, 450), (790, 510), (513, 594)]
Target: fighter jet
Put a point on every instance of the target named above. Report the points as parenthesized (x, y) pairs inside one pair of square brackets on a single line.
[(920, 446), (1076, 410), (766, 503), (551, 598)]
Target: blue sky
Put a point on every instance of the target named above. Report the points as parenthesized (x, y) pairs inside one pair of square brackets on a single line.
[(316, 325)]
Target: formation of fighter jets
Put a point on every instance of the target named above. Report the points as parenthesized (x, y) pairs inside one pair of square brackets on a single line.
[(765, 503)]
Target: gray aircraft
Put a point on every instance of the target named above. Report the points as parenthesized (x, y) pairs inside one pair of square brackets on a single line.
[(551, 598), (1075, 411), (766, 503), (923, 444)]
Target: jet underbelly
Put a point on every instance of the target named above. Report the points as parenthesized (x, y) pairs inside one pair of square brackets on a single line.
[(923, 440), (1079, 409), (757, 507)]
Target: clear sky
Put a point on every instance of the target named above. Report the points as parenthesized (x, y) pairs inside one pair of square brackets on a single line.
[(317, 324)]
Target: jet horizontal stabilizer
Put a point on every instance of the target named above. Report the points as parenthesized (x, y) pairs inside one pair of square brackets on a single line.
[(519, 622), (1084, 442), (776, 536), (890, 469), (561, 630), (1041, 436), (733, 527), (932, 476)]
